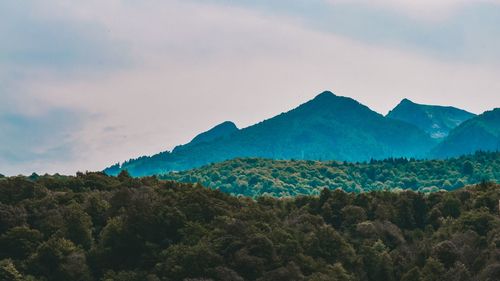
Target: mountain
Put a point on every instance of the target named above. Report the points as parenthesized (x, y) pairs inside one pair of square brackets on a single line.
[(435, 120), (222, 130), (328, 127), (479, 133)]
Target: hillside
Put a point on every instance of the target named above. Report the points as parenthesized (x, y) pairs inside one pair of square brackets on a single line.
[(92, 228), (257, 177), (479, 133), (222, 130), (325, 128), (435, 120)]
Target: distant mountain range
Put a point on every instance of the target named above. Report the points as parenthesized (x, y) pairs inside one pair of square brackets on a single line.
[(479, 133), (437, 121), (329, 127)]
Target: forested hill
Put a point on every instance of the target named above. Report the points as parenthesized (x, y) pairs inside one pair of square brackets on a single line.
[(97, 228), (256, 177)]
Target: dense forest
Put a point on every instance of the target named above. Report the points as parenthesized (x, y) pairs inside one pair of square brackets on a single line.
[(257, 177), (95, 227)]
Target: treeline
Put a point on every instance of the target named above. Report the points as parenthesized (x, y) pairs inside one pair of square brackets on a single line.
[(257, 177), (95, 227)]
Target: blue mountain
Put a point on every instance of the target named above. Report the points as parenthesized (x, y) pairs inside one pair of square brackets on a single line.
[(479, 133), (328, 127), (435, 120)]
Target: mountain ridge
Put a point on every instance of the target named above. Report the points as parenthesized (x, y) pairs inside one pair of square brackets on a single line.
[(327, 127), (221, 130), (436, 120), (479, 133)]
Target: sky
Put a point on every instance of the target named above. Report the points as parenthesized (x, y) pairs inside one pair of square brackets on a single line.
[(86, 84)]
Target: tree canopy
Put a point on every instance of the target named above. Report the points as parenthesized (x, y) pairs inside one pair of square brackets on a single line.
[(95, 227), (257, 177)]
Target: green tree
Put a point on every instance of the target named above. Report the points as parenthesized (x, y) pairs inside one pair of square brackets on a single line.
[(189, 261), (446, 252), (8, 271), (329, 245), (60, 260), (19, 242), (334, 272), (451, 207), (433, 270), (412, 275), (284, 273), (480, 221), (352, 215), (468, 168), (78, 226)]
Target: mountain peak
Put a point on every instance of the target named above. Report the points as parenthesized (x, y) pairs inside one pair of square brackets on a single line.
[(325, 94), (326, 127), (479, 133), (435, 120), (227, 124), (329, 105), (406, 101), (223, 129)]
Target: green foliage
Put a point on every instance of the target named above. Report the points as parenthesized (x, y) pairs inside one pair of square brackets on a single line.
[(257, 177), (77, 226), (59, 259), (8, 271), (94, 227), (19, 242), (181, 261), (432, 271)]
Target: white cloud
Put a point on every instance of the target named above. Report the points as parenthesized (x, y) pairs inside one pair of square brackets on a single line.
[(435, 10), (195, 65)]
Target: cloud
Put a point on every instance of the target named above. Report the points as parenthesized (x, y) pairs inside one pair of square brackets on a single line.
[(185, 66), (39, 38), (38, 142), (422, 9), (465, 31)]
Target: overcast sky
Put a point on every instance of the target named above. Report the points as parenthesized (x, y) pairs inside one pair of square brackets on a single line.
[(85, 84)]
